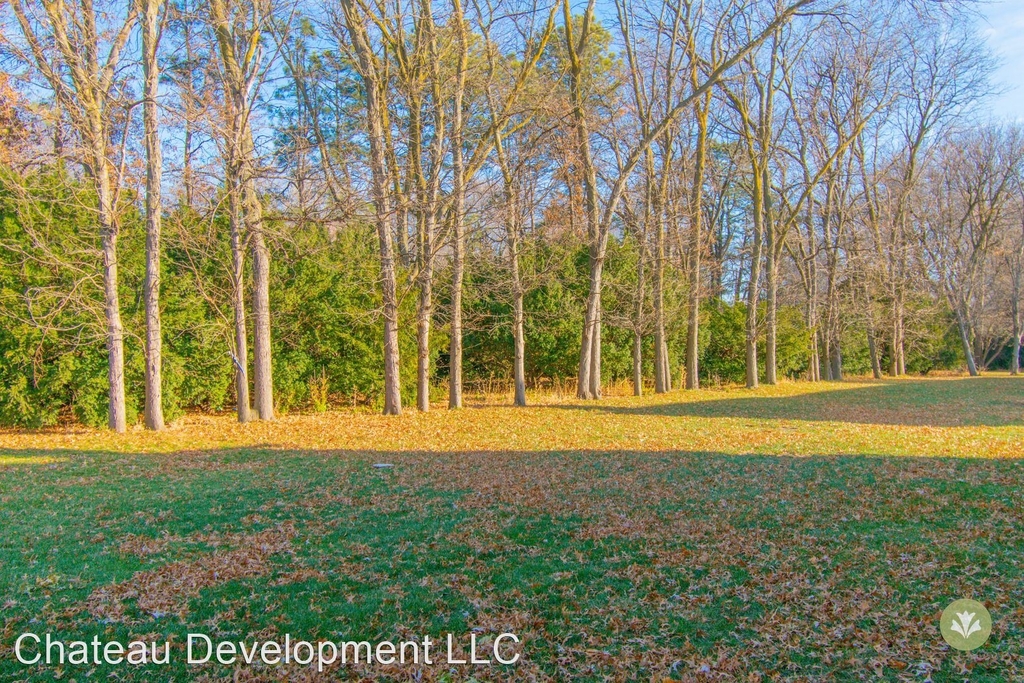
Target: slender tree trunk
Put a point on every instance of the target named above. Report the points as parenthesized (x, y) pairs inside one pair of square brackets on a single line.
[(771, 318), (876, 365), (772, 250), (836, 359), (811, 321), (150, 18), (518, 332), (815, 361), (389, 292), (187, 173), (589, 334), (423, 315), (263, 383), (1017, 334), (965, 339), (1017, 275), (595, 357), (588, 385), (900, 336), (638, 320), (832, 326), (458, 210), (455, 345), (697, 245), (894, 340), (116, 415), (753, 289), (262, 352), (654, 215), (389, 287), (380, 186), (425, 254), (661, 370), (741, 267), (241, 355), (876, 361), (693, 327)]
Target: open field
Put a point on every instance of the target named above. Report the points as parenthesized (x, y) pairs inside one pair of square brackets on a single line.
[(798, 532)]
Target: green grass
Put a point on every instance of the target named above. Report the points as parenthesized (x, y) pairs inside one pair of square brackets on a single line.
[(795, 533)]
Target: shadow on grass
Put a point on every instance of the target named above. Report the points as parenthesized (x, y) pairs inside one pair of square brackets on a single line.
[(982, 402), (687, 552)]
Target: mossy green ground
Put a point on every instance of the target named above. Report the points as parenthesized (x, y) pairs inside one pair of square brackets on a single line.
[(799, 532)]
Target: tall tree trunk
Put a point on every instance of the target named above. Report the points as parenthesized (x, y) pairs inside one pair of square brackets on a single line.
[(754, 287), (693, 327), (424, 253), (697, 244), (1017, 278), (458, 210), (772, 251), (181, 13), (458, 271), (589, 377), (1017, 334), (590, 343), (638, 321), (595, 354), (263, 383), (116, 415), (965, 339), (262, 352), (661, 370), (811, 321), (591, 334), (876, 361), (832, 321), (813, 366), (654, 215), (423, 314), (380, 186), (518, 332), (389, 294), (876, 365), (512, 231), (899, 337), (241, 353), (150, 18), (836, 358), (894, 340), (771, 317)]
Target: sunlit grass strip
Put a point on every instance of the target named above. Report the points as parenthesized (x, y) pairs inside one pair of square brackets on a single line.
[(6, 460)]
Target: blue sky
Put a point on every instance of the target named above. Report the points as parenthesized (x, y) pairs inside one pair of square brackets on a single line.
[(1003, 27)]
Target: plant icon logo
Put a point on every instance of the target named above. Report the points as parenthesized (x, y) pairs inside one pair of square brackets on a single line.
[(965, 625)]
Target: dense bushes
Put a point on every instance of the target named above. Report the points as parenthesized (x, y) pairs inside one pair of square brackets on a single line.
[(327, 328)]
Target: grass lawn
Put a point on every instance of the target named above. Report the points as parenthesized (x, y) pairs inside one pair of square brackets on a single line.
[(798, 532)]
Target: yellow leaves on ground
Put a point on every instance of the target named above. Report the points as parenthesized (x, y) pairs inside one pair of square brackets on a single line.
[(915, 417)]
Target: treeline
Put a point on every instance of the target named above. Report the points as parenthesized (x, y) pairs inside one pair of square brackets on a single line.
[(273, 205)]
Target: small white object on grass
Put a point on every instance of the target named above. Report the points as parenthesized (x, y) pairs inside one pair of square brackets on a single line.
[(382, 465)]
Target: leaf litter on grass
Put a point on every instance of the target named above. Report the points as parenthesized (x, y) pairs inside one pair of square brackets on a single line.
[(690, 558)]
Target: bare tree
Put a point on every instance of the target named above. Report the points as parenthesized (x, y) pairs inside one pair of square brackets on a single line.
[(371, 71), (969, 193), (1015, 264), (150, 18), (79, 55), (599, 218), (505, 105), (238, 26)]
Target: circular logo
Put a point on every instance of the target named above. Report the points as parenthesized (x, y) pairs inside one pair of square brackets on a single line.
[(965, 624)]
